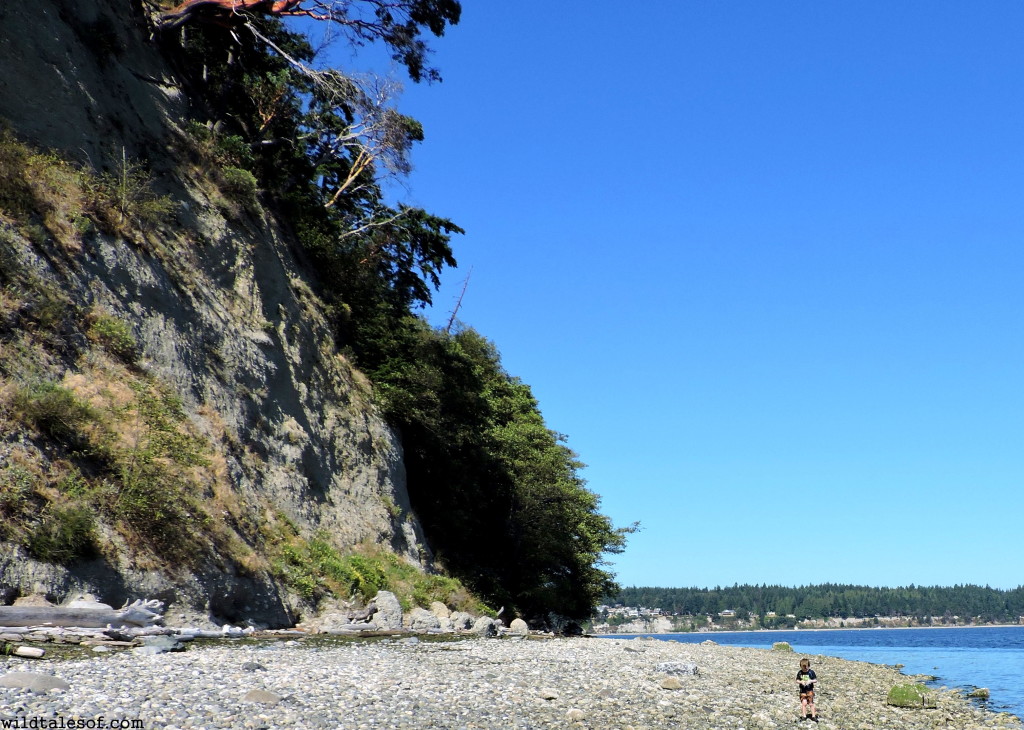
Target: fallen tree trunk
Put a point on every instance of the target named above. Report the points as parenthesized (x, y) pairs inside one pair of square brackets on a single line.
[(140, 613)]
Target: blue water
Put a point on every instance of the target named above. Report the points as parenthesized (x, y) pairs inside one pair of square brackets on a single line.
[(983, 656)]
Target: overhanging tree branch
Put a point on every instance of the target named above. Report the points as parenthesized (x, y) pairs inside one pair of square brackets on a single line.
[(397, 23)]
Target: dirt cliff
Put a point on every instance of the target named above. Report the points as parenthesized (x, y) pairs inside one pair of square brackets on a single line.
[(166, 370)]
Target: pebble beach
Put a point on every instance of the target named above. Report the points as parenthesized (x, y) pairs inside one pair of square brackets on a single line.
[(413, 682)]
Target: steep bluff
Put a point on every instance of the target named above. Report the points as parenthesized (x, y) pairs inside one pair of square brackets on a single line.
[(225, 336)]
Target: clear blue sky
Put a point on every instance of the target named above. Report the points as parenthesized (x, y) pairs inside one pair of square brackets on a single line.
[(762, 263)]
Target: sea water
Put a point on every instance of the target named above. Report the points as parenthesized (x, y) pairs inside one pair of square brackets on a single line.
[(963, 658)]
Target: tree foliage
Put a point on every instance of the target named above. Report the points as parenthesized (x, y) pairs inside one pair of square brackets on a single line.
[(498, 492), (399, 24), (835, 600)]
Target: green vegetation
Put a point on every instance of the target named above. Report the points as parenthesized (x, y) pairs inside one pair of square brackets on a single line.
[(782, 646), (125, 200), (64, 534), (941, 604), (114, 335), (496, 489), (50, 196), (315, 569), (55, 410), (499, 493), (911, 695)]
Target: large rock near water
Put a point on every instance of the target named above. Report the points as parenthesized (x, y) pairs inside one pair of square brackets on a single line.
[(389, 611), (485, 626), (461, 621)]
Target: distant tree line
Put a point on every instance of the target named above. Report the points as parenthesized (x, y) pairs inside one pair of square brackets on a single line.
[(833, 600)]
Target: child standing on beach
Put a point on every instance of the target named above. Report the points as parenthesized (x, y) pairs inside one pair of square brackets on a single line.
[(806, 679)]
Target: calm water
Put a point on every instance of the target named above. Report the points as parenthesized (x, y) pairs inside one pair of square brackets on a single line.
[(984, 656)]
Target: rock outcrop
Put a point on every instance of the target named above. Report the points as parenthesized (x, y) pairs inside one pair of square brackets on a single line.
[(223, 316)]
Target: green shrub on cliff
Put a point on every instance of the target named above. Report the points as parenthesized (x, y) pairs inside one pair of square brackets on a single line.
[(64, 534), (55, 410), (114, 335)]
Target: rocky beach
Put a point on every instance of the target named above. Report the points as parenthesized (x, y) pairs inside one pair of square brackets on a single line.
[(444, 682)]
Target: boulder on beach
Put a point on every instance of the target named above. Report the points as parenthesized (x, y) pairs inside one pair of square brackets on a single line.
[(461, 621), (389, 611), (485, 626), (420, 619)]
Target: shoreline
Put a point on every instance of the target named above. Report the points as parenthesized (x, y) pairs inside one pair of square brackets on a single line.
[(790, 631), (474, 683)]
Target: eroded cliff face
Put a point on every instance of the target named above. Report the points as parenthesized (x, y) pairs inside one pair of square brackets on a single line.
[(222, 318)]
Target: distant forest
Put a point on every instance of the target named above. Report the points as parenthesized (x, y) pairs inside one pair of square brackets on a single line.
[(831, 600)]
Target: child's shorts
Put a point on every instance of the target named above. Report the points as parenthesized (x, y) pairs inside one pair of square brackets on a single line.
[(808, 695)]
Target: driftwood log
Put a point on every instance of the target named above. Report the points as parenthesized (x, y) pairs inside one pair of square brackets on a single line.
[(138, 614)]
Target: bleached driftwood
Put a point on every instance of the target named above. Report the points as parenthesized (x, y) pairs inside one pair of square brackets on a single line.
[(140, 613)]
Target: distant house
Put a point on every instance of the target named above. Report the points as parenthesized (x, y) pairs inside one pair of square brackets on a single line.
[(727, 613), (770, 614)]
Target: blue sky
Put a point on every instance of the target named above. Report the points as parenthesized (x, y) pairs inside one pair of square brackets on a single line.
[(762, 263)]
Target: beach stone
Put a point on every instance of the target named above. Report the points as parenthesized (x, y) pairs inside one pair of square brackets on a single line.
[(461, 621), (34, 652), (980, 693), (440, 610), (33, 681), (575, 715), (333, 620), (253, 667), (485, 626), (678, 669), (519, 627), (389, 611), (671, 683), (546, 693), (420, 619), (262, 697), (152, 645)]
